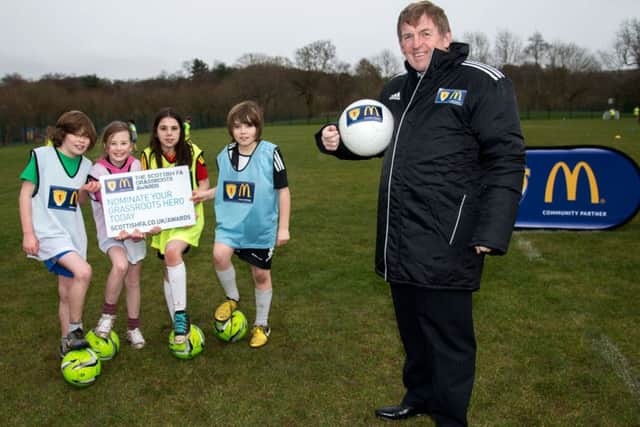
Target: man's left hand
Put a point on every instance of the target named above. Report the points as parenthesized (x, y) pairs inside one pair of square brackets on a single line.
[(482, 250)]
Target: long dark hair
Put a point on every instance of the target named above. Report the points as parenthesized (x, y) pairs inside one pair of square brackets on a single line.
[(184, 152)]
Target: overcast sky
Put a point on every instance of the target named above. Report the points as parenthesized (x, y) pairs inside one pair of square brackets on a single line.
[(136, 39)]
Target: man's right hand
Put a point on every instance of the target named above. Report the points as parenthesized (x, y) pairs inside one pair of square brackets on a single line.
[(330, 138)]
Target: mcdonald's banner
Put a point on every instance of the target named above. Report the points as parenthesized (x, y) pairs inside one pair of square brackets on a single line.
[(578, 188)]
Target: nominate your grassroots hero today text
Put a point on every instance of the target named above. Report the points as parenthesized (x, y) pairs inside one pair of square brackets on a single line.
[(147, 199)]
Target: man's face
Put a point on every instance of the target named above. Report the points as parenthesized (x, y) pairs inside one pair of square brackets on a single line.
[(417, 42)]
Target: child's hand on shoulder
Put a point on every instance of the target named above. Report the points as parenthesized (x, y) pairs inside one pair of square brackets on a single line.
[(91, 187), (198, 196), (283, 237)]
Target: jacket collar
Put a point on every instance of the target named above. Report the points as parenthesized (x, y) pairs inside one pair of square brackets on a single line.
[(441, 61)]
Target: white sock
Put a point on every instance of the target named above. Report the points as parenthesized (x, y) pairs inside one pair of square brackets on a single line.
[(263, 304), (177, 276), (228, 281), (74, 326), (169, 298)]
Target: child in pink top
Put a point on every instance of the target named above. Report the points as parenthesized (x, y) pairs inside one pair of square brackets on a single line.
[(126, 251)]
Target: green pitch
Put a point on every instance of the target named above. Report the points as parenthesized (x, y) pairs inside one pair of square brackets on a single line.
[(557, 319)]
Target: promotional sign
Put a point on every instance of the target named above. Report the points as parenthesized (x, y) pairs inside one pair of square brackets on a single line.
[(578, 188), (146, 199)]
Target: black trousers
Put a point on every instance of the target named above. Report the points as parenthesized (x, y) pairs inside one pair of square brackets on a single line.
[(436, 328)]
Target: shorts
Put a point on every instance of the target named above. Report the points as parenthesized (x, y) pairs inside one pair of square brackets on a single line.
[(260, 258), (54, 267), (136, 251)]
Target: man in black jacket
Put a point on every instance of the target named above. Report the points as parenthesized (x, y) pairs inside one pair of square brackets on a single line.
[(449, 192)]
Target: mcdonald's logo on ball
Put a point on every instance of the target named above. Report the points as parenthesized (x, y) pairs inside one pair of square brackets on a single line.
[(366, 127)]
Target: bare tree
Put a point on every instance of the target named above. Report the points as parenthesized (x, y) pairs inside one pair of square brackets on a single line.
[(12, 79), (386, 63), (536, 48), (627, 43), (341, 86), (610, 60), (369, 79), (249, 59), (185, 70), (250, 83), (572, 57), (313, 60), (316, 56), (282, 61), (507, 49), (479, 46), (366, 69), (554, 54)]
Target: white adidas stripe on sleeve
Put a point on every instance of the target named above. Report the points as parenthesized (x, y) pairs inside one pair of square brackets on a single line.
[(494, 73), (278, 164)]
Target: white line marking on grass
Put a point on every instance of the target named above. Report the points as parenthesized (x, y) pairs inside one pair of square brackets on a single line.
[(610, 352), (527, 247)]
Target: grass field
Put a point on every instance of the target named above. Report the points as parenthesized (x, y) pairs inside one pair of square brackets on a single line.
[(557, 319)]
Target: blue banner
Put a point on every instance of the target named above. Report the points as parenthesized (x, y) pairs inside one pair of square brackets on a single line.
[(578, 188)]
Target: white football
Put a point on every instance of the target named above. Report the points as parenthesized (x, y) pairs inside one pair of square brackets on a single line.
[(366, 127)]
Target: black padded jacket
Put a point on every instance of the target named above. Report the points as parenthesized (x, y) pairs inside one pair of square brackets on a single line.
[(452, 174)]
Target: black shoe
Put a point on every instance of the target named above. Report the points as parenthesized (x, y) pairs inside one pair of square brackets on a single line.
[(74, 341), (399, 412)]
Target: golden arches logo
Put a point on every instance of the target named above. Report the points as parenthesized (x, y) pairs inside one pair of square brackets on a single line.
[(571, 179), (125, 183), (73, 200), (245, 191), (371, 111)]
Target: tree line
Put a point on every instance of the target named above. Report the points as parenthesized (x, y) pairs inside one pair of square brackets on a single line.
[(317, 85)]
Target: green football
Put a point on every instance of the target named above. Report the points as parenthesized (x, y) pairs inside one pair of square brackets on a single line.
[(105, 348), (191, 347), (81, 368), (233, 329)]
